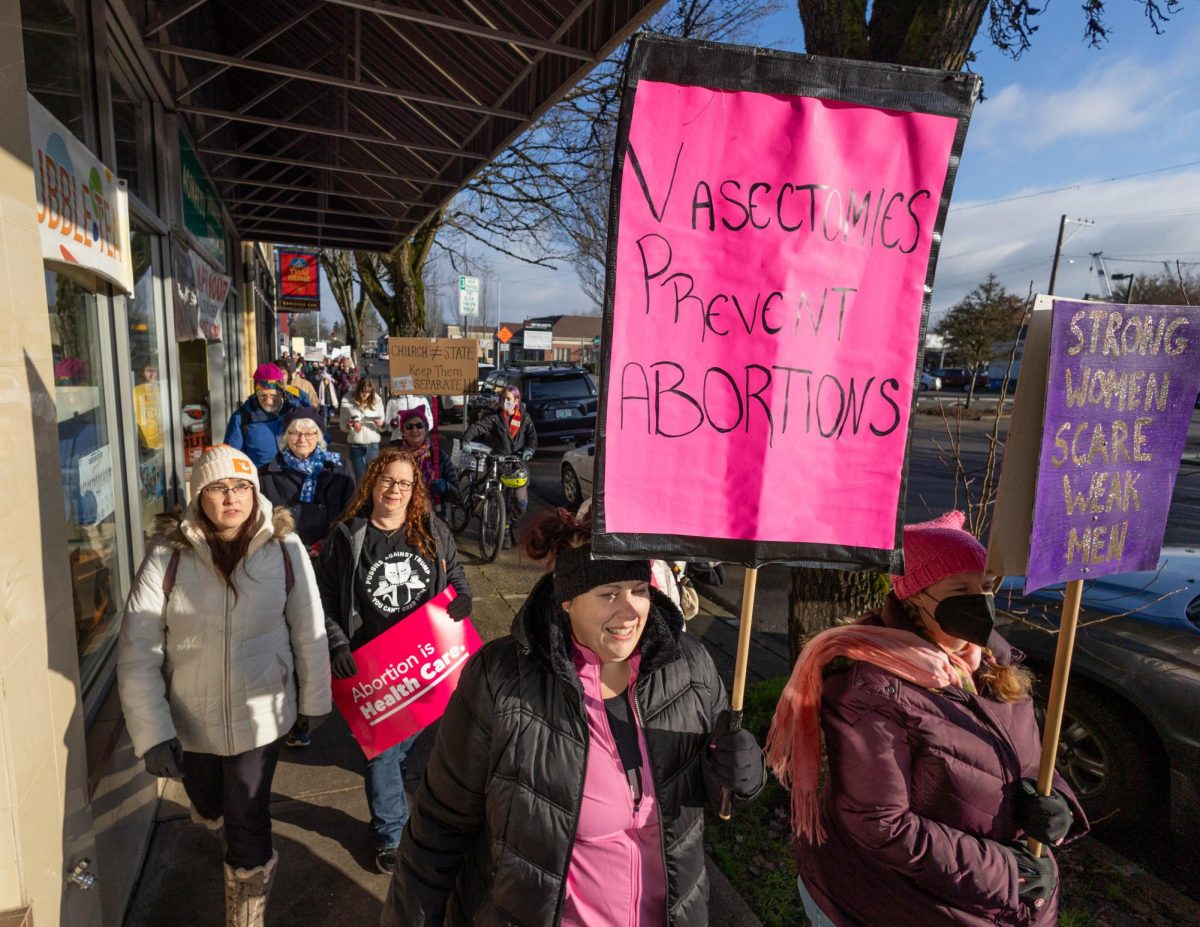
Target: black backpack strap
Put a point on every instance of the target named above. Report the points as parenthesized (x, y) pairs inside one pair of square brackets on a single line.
[(289, 574), (168, 580)]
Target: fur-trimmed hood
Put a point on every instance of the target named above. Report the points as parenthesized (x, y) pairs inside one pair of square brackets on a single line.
[(180, 531), (542, 626)]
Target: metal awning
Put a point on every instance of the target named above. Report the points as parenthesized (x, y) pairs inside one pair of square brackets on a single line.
[(348, 123)]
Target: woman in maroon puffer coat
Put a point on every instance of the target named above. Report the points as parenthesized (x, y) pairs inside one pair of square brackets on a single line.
[(933, 750)]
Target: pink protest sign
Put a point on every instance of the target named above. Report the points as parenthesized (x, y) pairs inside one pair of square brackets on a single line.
[(406, 676), (771, 261)]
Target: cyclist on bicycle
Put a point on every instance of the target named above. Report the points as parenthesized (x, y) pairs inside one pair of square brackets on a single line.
[(508, 431), (441, 476)]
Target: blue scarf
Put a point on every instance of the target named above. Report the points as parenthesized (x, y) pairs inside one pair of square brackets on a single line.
[(310, 467)]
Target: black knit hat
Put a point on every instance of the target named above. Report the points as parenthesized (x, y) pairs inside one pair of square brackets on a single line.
[(302, 412), (575, 572)]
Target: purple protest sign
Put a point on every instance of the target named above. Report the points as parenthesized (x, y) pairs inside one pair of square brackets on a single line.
[(1120, 391)]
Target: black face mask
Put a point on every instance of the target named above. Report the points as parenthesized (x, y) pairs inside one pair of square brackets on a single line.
[(970, 617)]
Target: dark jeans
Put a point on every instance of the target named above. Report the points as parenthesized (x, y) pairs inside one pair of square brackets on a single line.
[(360, 456), (237, 788), (385, 794)]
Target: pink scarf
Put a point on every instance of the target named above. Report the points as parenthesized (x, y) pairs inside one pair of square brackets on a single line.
[(794, 742)]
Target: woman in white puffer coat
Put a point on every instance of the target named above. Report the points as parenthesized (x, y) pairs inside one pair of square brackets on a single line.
[(223, 625)]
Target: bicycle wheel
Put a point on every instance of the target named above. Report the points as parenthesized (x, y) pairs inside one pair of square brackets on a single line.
[(460, 508), (491, 525), (460, 515)]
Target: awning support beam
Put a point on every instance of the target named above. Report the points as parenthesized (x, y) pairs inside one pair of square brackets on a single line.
[(336, 133), (330, 80)]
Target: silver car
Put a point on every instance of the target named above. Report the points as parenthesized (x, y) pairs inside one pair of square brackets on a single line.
[(1131, 734), (576, 473)]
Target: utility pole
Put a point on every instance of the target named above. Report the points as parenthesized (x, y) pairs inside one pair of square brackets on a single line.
[(1062, 227)]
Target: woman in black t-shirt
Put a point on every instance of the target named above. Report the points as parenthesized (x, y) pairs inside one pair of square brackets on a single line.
[(386, 557)]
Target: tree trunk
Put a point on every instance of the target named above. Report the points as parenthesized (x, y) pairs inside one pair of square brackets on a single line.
[(919, 33), (395, 284), (819, 599)]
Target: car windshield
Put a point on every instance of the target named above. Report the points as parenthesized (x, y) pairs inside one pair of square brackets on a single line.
[(541, 389)]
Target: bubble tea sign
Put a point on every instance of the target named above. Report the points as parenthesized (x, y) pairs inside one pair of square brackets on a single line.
[(1120, 391)]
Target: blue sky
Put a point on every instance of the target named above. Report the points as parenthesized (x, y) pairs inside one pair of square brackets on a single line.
[(1064, 115)]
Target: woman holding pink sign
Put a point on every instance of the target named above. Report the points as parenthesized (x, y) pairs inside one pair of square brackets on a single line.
[(386, 557), (568, 781)]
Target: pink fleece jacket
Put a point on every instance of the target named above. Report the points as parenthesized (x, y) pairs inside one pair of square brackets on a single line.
[(616, 877)]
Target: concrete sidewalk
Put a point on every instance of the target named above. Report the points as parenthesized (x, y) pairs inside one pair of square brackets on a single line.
[(326, 875)]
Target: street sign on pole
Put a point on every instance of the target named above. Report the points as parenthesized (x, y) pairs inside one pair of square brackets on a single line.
[(468, 296)]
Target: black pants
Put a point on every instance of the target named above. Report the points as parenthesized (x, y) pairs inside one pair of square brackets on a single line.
[(238, 789)]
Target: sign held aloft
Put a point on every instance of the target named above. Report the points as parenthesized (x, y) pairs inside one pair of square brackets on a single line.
[(770, 264), (432, 366), (1092, 490)]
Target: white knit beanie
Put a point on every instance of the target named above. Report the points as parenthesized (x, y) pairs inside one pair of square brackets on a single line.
[(222, 462)]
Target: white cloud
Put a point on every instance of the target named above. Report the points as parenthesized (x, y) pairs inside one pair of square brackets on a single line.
[(1110, 99), (1151, 219)]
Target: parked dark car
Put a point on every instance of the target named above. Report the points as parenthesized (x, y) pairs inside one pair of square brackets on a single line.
[(1130, 741), (560, 400), (959, 378)]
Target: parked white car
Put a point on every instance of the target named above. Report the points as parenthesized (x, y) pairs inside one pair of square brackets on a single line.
[(576, 471), (929, 381)]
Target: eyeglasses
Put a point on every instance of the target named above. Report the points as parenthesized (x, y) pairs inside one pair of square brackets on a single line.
[(306, 435), (414, 426), (241, 487), (386, 483)]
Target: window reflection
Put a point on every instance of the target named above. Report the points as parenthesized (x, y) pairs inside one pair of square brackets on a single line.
[(149, 410), (53, 53), (87, 458)]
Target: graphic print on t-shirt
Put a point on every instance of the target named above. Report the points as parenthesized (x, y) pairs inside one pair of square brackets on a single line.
[(397, 581)]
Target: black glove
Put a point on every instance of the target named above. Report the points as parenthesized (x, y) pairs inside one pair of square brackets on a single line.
[(165, 760), (735, 758), (309, 723), (342, 662), (1035, 875), (460, 607), (1045, 818)]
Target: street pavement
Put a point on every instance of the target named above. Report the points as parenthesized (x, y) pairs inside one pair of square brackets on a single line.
[(326, 872), (326, 875)]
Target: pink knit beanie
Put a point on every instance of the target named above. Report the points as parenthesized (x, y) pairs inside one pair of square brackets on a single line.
[(934, 550)]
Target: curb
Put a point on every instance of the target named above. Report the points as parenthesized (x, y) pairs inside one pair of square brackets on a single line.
[(725, 900)]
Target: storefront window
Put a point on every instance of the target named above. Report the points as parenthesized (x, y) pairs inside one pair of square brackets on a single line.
[(131, 120), (149, 410), (87, 457), (53, 64)]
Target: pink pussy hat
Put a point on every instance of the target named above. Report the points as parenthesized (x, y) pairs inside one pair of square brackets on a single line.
[(934, 550), (270, 376)]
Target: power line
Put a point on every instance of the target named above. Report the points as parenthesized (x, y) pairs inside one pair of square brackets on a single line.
[(1075, 186)]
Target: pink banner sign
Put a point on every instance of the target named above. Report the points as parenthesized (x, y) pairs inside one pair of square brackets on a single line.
[(772, 260), (406, 676)]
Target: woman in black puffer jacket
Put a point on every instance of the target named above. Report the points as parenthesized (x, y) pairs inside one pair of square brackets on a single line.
[(593, 733)]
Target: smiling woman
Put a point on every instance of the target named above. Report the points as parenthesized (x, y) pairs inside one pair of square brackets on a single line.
[(626, 775)]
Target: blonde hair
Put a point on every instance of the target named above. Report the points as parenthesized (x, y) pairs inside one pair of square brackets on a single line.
[(1007, 683)]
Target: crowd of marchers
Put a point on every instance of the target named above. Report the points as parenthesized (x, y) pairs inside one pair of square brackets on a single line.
[(572, 769)]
